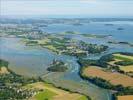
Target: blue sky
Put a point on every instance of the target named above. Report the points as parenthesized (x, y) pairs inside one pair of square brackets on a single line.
[(92, 8)]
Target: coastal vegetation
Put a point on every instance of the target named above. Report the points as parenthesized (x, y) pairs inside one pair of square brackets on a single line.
[(102, 62), (3, 63)]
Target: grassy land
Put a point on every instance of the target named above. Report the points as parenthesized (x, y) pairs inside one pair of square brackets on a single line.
[(126, 97), (125, 62), (45, 95), (82, 98), (123, 57), (127, 68), (114, 78), (49, 92)]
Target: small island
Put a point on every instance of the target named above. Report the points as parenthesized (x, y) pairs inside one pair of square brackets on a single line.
[(120, 28), (120, 42), (57, 66), (96, 36)]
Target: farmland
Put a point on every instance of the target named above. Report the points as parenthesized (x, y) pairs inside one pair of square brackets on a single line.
[(124, 62), (52, 93), (114, 78), (127, 68), (126, 97), (123, 57), (107, 72)]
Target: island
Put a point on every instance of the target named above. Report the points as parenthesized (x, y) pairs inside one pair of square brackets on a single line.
[(57, 66), (95, 36), (121, 43), (68, 46)]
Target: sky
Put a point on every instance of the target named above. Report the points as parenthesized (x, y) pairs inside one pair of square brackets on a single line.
[(90, 8)]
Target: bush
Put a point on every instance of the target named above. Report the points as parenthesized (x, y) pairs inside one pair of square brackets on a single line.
[(124, 63), (3, 63)]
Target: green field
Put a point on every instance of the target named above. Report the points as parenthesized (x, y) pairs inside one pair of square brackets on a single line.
[(83, 98), (45, 95), (49, 92), (125, 62), (123, 57)]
